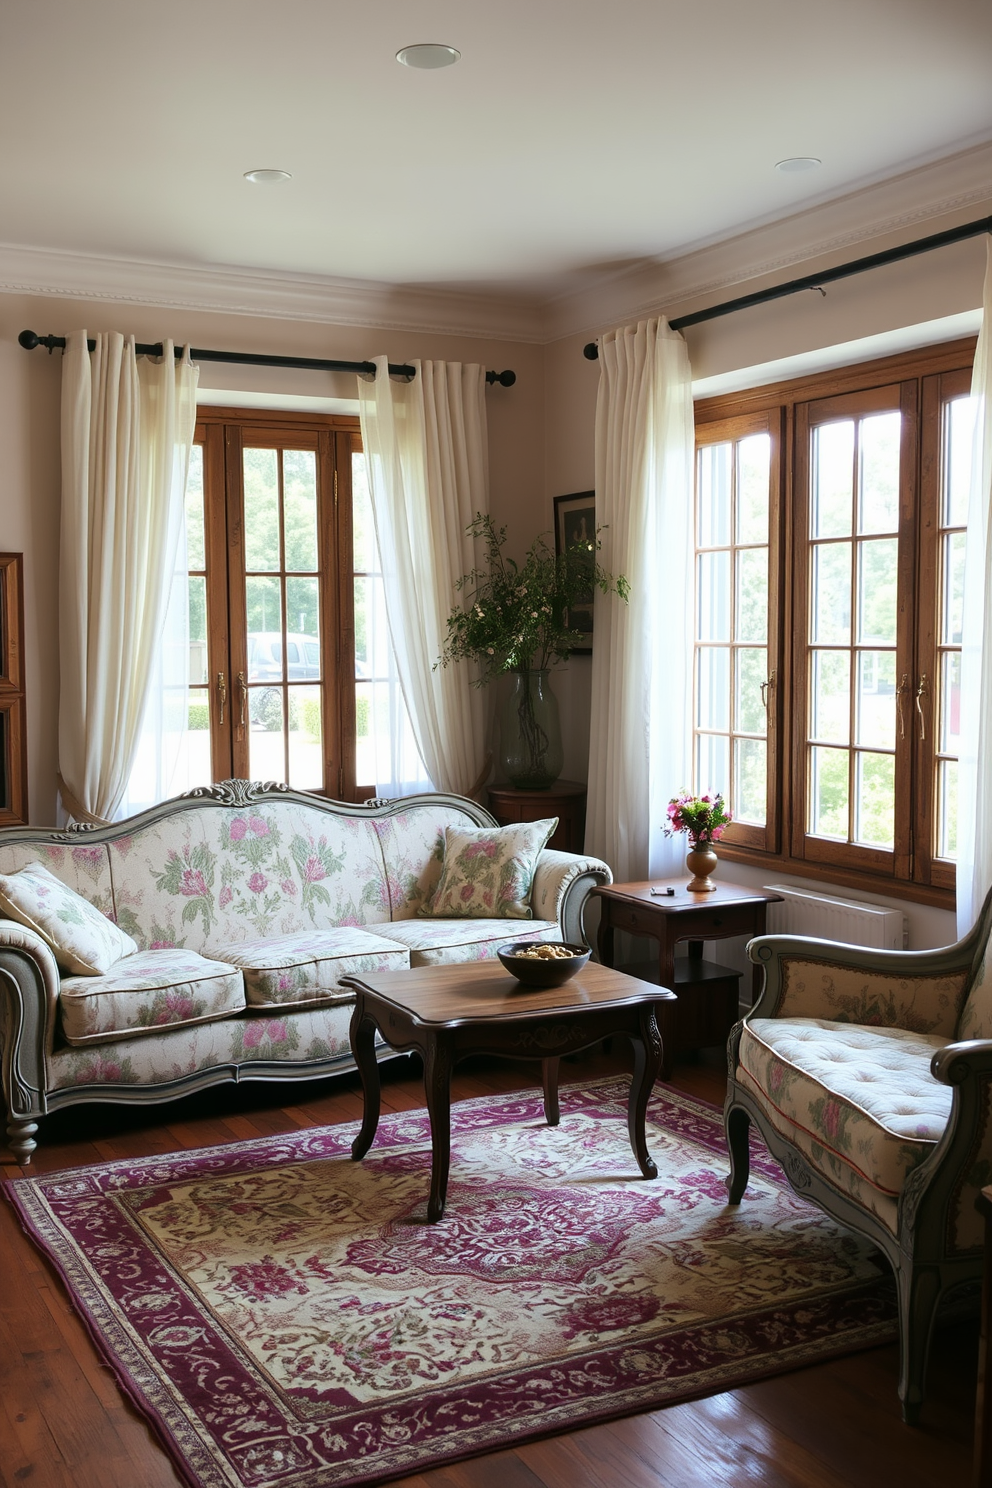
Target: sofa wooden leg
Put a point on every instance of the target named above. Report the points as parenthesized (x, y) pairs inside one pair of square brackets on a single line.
[(20, 1139), (738, 1125), (919, 1293)]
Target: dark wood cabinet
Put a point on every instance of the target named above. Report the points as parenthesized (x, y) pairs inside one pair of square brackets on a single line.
[(566, 800)]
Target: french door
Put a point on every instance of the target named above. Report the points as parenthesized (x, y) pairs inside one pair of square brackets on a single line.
[(271, 560)]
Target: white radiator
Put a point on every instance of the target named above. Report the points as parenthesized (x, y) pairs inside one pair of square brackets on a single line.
[(854, 921)]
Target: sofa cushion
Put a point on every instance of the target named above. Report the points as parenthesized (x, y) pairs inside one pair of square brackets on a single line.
[(864, 1095), (306, 970), (411, 840), (148, 992), (441, 942), (488, 872), (82, 940), (212, 876)]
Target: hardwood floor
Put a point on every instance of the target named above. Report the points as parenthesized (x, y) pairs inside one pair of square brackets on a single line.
[(65, 1424)]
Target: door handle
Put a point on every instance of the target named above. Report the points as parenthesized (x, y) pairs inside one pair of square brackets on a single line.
[(243, 690), (221, 693)]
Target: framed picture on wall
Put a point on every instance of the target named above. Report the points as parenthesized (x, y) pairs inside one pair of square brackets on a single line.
[(575, 522)]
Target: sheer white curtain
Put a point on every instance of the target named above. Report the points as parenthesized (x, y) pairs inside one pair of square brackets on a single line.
[(127, 430), (974, 872), (639, 748), (426, 454)]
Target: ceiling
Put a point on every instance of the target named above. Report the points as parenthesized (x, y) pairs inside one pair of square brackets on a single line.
[(573, 138)]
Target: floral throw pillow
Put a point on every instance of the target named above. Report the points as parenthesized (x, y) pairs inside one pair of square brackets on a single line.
[(82, 939), (487, 872)]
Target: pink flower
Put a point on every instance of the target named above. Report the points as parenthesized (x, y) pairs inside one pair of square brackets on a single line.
[(192, 884), (160, 945), (313, 869), (225, 896), (259, 826), (258, 882), (288, 887), (831, 1118), (284, 982), (467, 891), (238, 828), (277, 1032)]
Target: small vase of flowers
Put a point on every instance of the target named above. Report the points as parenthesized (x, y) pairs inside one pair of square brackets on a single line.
[(704, 820)]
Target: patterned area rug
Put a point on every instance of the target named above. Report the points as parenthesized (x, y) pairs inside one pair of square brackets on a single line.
[(285, 1317)]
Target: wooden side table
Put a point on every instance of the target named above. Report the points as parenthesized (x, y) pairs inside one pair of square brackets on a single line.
[(566, 800), (707, 1005)]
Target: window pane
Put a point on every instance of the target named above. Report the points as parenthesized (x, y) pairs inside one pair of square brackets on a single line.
[(831, 697), (950, 703), (831, 608), (750, 716), (833, 475), (371, 629), (302, 621), (299, 479), (752, 594), (197, 769), (753, 460), (714, 495), (266, 744), (714, 596), (713, 688), (961, 416), (362, 529), (952, 585), (877, 590), (876, 796), (712, 763), (261, 509), (365, 771), (876, 701), (947, 809), (197, 592), (750, 781), (306, 756), (879, 503), (829, 793), (196, 548), (264, 607)]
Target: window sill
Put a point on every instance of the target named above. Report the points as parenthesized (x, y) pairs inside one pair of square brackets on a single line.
[(870, 883)]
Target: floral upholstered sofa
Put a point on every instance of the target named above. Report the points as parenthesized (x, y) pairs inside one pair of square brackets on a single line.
[(232, 914)]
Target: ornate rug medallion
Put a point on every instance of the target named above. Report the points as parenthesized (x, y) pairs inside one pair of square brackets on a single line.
[(287, 1318)]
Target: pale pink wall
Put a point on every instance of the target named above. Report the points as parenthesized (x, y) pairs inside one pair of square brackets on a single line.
[(29, 445)]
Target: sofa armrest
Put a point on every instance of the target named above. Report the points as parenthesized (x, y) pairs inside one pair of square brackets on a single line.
[(562, 884), (806, 978), (29, 992)]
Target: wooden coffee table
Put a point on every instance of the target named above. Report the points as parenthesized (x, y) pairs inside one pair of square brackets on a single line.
[(449, 1012)]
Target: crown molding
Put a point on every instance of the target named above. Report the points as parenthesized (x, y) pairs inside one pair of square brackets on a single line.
[(897, 208), (237, 291)]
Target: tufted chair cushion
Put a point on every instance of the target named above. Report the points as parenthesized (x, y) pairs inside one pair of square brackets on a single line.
[(861, 1099)]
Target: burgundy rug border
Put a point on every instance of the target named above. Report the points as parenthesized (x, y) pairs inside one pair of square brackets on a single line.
[(208, 1468)]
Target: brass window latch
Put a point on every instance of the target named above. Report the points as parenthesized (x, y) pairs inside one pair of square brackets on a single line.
[(922, 691), (221, 693)]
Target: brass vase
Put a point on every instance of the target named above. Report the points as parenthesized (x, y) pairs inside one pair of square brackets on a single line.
[(701, 862)]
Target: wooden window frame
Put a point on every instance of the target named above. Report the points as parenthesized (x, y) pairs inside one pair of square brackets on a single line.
[(729, 431), (927, 377), (13, 713), (225, 433)]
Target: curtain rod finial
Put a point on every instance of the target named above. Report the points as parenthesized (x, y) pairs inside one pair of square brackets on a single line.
[(505, 379), (591, 351)]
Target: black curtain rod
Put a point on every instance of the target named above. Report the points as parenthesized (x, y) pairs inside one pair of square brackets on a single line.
[(816, 281), (29, 340)]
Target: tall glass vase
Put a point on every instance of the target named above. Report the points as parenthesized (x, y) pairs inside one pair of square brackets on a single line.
[(530, 732)]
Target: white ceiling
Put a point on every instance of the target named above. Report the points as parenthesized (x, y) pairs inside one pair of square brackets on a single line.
[(575, 136)]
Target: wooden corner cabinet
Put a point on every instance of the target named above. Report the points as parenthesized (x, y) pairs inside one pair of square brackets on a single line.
[(566, 800)]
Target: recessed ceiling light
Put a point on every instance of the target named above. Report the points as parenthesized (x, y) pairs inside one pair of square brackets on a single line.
[(428, 54), (798, 163), (267, 177)]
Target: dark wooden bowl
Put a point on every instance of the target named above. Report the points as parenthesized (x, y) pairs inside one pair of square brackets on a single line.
[(534, 971)]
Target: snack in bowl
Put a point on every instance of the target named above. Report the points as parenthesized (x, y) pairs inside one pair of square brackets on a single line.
[(543, 963)]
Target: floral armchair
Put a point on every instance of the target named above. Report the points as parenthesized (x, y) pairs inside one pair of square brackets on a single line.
[(869, 1075)]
